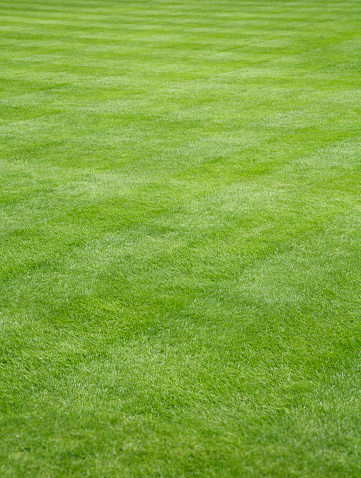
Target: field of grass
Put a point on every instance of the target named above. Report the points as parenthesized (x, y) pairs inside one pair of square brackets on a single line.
[(180, 238)]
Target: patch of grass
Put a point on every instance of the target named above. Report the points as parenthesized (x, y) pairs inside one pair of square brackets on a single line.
[(180, 238)]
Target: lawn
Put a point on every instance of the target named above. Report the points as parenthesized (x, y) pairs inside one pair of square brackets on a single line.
[(180, 221)]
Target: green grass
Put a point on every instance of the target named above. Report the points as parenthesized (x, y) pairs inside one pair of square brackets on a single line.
[(180, 238)]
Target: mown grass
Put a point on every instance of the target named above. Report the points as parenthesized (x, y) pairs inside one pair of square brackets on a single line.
[(180, 238)]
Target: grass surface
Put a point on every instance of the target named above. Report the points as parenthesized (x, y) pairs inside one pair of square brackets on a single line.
[(180, 238)]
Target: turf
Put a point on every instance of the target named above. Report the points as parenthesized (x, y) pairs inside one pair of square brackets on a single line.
[(180, 238)]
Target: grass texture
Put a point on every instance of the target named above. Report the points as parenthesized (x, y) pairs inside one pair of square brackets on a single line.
[(180, 238)]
